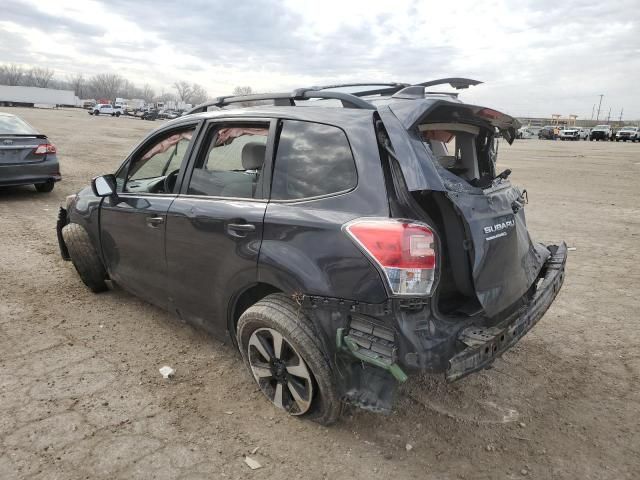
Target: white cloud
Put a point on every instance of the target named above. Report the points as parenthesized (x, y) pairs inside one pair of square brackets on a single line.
[(536, 57)]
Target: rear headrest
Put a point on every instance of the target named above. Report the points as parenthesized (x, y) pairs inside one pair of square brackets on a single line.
[(253, 155)]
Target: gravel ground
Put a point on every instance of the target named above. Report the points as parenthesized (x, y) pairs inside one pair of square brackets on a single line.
[(81, 396)]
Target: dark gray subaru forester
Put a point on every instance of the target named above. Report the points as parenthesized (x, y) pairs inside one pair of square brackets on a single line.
[(343, 241)]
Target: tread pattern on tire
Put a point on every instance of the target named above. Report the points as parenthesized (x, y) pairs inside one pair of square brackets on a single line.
[(285, 315), (84, 257)]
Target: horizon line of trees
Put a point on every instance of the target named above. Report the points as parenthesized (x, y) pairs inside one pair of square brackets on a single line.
[(102, 85)]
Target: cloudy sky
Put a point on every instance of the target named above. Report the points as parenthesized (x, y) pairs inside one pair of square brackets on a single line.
[(536, 58)]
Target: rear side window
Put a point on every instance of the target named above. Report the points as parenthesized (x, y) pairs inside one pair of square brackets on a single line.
[(313, 159)]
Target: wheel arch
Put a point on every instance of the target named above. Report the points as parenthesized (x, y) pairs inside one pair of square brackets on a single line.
[(244, 299)]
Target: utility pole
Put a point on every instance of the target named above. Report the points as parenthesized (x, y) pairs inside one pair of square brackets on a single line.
[(593, 109), (599, 105), (620, 120), (609, 116)]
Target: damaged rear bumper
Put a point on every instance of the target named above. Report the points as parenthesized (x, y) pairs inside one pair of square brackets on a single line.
[(484, 345), (375, 347)]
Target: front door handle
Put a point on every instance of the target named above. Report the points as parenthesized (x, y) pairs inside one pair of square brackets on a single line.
[(240, 230), (155, 222)]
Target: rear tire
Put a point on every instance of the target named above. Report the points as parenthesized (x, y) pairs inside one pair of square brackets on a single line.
[(275, 315), (84, 257), (45, 187)]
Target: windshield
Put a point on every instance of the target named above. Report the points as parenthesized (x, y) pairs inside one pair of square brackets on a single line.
[(10, 124), (628, 129), (601, 127)]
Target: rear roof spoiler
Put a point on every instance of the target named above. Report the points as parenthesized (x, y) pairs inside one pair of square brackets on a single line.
[(456, 82)]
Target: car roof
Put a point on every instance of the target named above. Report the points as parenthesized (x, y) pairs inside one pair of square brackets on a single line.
[(328, 111), (410, 103), (319, 114)]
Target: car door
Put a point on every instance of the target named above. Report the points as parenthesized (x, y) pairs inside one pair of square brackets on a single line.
[(214, 227), (132, 224)]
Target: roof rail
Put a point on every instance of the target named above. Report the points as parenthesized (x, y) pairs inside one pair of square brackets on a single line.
[(361, 84), (395, 87), (348, 100)]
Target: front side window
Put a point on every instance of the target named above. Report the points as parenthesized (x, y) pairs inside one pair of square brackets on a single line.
[(312, 160), (230, 164), (156, 168)]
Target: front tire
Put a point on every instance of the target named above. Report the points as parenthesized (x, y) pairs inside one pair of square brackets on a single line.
[(45, 187), (84, 257), (285, 357)]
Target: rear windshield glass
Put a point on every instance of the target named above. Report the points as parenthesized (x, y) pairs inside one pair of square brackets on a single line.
[(10, 124)]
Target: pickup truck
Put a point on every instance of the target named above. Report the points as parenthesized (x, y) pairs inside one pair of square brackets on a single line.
[(106, 109), (573, 133), (601, 132), (628, 133)]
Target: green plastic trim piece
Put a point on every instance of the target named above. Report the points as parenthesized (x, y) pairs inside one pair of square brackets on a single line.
[(349, 345)]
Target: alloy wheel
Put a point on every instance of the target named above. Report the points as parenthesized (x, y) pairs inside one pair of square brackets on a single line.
[(281, 373)]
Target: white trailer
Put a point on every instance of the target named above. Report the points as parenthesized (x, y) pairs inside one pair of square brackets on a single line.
[(32, 96)]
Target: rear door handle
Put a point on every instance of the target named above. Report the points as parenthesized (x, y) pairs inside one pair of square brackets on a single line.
[(240, 230), (155, 222)]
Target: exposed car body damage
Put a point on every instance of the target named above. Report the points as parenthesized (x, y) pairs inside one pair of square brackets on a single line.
[(408, 336), (420, 260)]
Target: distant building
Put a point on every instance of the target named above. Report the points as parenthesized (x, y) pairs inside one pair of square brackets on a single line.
[(35, 96)]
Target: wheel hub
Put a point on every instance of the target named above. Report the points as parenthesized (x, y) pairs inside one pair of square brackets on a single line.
[(279, 369), (281, 373)]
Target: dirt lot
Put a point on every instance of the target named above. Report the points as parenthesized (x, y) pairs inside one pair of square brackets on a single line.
[(81, 396)]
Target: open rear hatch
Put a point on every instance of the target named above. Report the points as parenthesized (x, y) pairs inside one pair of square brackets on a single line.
[(456, 143)]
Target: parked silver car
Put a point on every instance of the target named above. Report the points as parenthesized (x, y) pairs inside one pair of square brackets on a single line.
[(26, 156)]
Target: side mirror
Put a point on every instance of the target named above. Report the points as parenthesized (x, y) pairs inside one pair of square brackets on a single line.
[(104, 186)]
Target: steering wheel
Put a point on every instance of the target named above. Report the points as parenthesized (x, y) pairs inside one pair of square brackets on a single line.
[(170, 181)]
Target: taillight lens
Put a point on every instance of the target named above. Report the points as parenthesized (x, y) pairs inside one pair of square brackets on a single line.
[(404, 250), (45, 148)]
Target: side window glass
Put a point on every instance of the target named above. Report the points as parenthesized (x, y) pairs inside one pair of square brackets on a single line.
[(313, 159), (230, 162), (156, 169)]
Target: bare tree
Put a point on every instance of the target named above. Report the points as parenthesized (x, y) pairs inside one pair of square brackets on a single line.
[(147, 93), (185, 91), (77, 84), (12, 74), (166, 97), (106, 85), (40, 77), (127, 89), (199, 94), (246, 90)]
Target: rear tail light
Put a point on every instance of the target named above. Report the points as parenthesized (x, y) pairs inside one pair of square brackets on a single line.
[(45, 148), (404, 251)]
